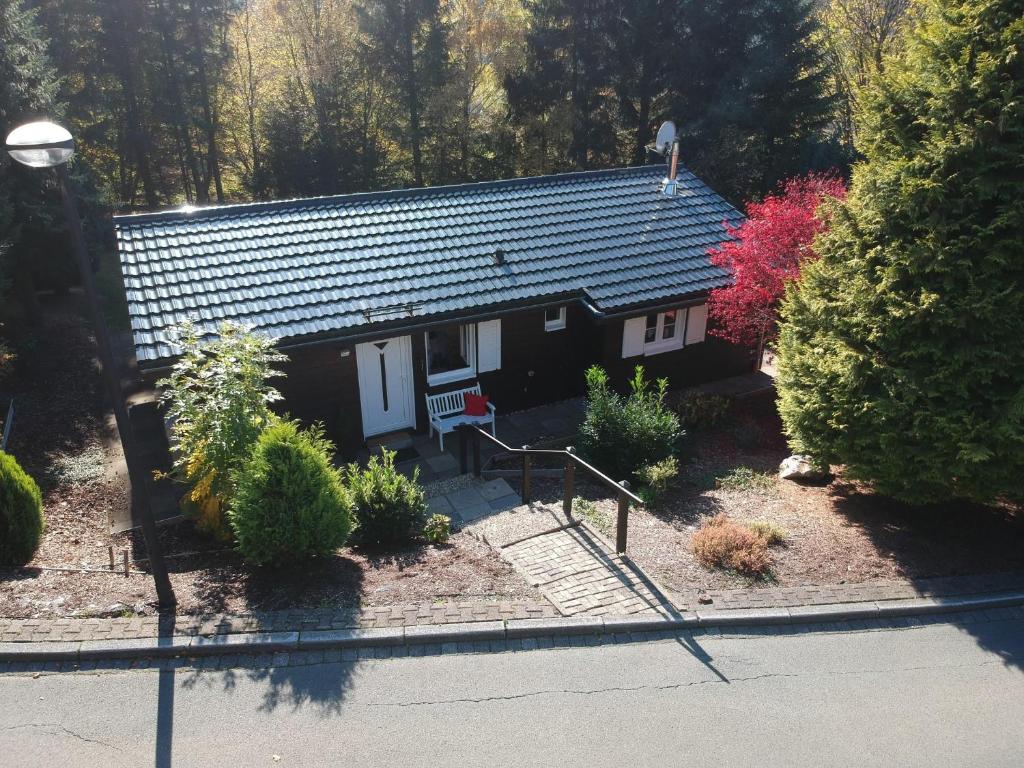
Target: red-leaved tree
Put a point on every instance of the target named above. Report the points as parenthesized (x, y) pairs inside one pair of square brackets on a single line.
[(767, 251)]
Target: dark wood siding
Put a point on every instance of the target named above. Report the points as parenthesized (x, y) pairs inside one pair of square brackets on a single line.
[(321, 385), (537, 367), (711, 359)]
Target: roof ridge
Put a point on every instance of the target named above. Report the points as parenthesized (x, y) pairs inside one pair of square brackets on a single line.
[(229, 209)]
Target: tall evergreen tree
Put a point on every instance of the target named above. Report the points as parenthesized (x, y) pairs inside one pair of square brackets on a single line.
[(30, 216), (749, 91), (902, 349), (567, 77), (408, 41), (644, 43)]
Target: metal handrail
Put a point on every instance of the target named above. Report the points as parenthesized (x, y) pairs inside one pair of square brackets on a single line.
[(525, 450), (625, 495)]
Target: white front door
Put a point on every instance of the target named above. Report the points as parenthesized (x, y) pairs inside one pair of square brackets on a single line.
[(385, 385)]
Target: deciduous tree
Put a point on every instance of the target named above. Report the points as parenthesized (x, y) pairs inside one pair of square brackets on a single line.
[(765, 253)]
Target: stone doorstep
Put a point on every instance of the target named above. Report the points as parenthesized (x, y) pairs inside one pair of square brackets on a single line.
[(265, 642)]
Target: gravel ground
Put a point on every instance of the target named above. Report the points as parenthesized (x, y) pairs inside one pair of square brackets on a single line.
[(836, 533)]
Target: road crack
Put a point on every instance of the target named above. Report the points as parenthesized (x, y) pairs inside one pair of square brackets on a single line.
[(576, 692), (62, 729)]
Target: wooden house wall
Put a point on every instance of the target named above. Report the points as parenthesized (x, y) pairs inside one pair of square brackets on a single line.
[(537, 367)]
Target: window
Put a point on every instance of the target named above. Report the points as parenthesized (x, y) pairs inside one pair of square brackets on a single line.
[(662, 331), (451, 353), (554, 318)]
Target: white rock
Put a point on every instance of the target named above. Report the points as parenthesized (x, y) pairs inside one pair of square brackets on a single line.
[(799, 467)]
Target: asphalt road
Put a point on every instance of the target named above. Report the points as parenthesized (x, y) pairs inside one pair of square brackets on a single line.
[(935, 695)]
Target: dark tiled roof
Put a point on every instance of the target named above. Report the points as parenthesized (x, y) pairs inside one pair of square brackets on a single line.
[(302, 267)]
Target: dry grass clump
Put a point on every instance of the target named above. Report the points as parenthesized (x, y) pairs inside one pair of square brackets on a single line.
[(772, 533), (722, 543)]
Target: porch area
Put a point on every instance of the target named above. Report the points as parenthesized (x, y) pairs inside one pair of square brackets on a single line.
[(543, 424), (466, 499)]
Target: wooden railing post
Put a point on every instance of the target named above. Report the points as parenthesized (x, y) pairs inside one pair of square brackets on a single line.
[(463, 450), (8, 423), (476, 453), (526, 478), (622, 523), (570, 481)]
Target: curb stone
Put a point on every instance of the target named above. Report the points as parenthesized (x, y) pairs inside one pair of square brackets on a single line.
[(484, 631)]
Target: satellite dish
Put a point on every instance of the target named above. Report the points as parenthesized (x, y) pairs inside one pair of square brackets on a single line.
[(666, 135)]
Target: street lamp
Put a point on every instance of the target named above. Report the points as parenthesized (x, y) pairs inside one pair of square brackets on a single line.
[(47, 145)]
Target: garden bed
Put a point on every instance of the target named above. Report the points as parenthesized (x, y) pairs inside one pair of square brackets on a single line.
[(64, 443), (837, 533)]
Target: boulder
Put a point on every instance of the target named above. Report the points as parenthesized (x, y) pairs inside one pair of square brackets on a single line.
[(801, 468)]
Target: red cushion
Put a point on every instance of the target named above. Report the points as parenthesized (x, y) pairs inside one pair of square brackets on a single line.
[(476, 405)]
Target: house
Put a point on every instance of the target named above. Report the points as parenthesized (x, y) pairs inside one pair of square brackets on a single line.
[(382, 298)]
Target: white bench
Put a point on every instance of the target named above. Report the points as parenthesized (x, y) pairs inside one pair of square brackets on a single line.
[(445, 412)]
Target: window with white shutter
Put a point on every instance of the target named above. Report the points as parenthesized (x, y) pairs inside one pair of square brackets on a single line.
[(451, 353), (696, 324), (488, 334), (663, 331), (666, 331)]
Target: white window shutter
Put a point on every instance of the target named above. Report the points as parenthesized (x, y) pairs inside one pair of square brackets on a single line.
[(488, 336), (696, 324), (633, 336)]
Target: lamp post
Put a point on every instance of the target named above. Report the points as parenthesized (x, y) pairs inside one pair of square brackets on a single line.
[(47, 145)]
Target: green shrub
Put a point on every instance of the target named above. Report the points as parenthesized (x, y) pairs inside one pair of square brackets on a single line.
[(438, 529), (290, 503), (622, 434), (771, 533), (21, 513), (218, 399), (699, 410), (390, 508), (746, 479), (656, 478)]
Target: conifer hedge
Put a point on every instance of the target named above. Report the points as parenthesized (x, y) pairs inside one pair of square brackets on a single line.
[(902, 348), (290, 503), (21, 513)]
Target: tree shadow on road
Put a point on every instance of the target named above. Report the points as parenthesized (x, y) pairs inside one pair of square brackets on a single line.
[(951, 550)]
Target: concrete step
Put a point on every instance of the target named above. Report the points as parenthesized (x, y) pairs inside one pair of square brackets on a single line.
[(393, 441), (466, 499)]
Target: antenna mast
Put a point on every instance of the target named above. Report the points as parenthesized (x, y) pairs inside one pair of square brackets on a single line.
[(667, 144)]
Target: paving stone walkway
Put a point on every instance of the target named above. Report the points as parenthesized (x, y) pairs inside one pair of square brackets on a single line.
[(35, 630), (575, 570), (832, 594)]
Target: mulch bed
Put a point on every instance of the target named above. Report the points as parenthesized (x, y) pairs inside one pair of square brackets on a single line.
[(838, 533), (61, 439)]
